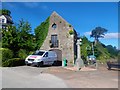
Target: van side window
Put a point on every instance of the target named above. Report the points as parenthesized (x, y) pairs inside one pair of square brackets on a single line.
[(46, 54)]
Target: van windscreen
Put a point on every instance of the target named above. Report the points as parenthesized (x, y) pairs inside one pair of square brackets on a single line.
[(38, 53)]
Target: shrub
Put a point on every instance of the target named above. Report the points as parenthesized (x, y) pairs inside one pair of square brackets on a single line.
[(30, 52), (13, 62), (6, 54), (22, 54), (70, 25), (71, 32), (0, 58)]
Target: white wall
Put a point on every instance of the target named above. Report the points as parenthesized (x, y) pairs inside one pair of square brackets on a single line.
[(3, 17)]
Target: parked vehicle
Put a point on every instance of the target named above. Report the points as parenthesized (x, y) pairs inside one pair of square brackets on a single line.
[(91, 59), (41, 57), (113, 64)]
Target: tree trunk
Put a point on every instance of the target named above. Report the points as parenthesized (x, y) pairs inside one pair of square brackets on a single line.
[(96, 41)]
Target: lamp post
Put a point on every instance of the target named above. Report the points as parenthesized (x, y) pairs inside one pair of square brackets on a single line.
[(79, 61), (93, 49)]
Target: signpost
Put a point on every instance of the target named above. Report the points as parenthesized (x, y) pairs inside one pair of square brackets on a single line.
[(91, 58)]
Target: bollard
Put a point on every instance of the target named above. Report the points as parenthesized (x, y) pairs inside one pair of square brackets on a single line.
[(64, 62)]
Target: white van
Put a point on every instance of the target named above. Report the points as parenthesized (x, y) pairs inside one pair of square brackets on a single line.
[(41, 58)]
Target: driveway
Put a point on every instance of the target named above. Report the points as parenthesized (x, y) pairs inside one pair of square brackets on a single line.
[(58, 77)]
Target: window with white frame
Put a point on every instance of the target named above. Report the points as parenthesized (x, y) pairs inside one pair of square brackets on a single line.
[(3, 20)]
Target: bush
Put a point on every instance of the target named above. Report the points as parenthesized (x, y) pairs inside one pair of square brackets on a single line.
[(13, 62), (22, 54), (0, 58), (6, 54), (71, 32)]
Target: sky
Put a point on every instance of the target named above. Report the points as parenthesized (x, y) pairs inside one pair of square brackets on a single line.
[(83, 16)]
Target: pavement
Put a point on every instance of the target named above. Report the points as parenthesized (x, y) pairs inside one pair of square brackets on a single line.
[(58, 77)]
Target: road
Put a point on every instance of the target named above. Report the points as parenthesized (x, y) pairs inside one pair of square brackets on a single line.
[(101, 78), (0, 78), (57, 77), (29, 77)]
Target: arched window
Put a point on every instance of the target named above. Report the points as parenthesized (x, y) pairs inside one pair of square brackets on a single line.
[(54, 26)]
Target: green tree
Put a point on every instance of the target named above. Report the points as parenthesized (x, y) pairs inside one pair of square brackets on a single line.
[(10, 38), (26, 39), (16, 38), (5, 12), (112, 50), (97, 33), (85, 47)]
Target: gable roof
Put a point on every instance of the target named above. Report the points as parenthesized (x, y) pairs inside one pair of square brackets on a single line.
[(9, 18), (56, 14)]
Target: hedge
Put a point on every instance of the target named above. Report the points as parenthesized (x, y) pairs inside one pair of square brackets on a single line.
[(22, 54), (13, 62), (5, 54)]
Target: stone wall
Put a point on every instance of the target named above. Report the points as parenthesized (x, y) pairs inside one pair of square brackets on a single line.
[(66, 41)]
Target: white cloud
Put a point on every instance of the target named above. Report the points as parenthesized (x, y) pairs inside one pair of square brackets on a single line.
[(87, 33), (112, 35), (107, 35)]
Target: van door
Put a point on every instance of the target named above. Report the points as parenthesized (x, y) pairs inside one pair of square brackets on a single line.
[(46, 58), (51, 57)]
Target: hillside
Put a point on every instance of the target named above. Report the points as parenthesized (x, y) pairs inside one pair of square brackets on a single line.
[(101, 51)]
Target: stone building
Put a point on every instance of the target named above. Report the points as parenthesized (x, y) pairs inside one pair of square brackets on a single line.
[(61, 38)]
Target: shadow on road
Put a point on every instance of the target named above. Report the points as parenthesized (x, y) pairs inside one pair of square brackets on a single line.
[(114, 69)]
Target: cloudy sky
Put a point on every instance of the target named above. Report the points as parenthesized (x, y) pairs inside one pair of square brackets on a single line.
[(83, 16)]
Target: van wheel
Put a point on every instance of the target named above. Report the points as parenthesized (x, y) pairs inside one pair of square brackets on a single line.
[(40, 64), (54, 63), (27, 64)]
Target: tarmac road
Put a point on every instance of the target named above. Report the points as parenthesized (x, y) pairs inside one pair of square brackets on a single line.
[(29, 77), (58, 77), (0, 78)]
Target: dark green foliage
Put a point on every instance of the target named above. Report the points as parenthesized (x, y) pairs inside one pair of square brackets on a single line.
[(16, 38), (98, 32), (70, 25), (119, 56), (6, 54), (13, 62), (100, 50), (104, 55), (112, 50), (41, 32), (5, 12), (10, 39), (26, 40), (71, 32), (20, 41), (22, 53), (84, 50)]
